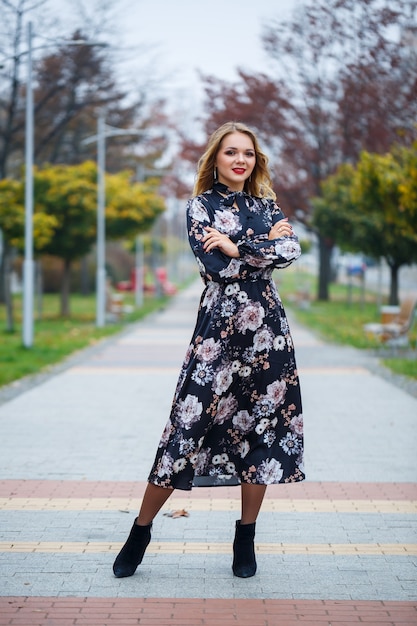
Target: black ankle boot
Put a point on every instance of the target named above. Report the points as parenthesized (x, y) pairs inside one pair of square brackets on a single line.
[(132, 552), (244, 563)]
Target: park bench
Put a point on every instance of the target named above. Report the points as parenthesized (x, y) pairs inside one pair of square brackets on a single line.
[(396, 332)]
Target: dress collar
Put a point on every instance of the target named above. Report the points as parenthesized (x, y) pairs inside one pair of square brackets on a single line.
[(231, 196)]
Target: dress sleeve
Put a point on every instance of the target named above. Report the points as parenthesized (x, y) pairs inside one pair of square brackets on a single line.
[(256, 252), (260, 251)]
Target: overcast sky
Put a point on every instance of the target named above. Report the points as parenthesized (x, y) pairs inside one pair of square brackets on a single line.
[(214, 37)]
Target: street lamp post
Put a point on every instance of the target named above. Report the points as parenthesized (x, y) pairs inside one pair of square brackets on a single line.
[(28, 265), (101, 224), (103, 131)]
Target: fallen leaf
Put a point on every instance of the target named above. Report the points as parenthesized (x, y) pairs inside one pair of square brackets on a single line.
[(177, 513)]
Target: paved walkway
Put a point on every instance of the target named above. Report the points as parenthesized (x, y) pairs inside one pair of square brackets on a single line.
[(338, 549)]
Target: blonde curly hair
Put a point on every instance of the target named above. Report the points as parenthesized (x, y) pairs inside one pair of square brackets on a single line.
[(259, 184)]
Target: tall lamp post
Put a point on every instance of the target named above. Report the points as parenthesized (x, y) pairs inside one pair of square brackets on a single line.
[(28, 264), (103, 131)]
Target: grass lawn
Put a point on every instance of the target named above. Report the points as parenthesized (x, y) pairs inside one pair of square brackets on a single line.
[(55, 337), (341, 319)]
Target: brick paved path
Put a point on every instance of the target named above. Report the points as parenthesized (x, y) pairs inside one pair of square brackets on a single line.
[(337, 549)]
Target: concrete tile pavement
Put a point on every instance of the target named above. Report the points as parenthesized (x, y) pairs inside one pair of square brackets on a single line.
[(77, 449)]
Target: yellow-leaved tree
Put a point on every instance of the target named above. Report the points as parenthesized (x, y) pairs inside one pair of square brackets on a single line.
[(372, 208), (12, 225), (69, 193)]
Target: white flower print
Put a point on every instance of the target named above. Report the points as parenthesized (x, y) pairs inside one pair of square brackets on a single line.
[(285, 329), (249, 316), (249, 355), (264, 407), (244, 448), (279, 342), (201, 267), (179, 465), (290, 444), (217, 459), (165, 465), (243, 421), (202, 461), (245, 371), (276, 391), (232, 289), (211, 295), (262, 426), (222, 380), (230, 468), (242, 297), (202, 374), (236, 365), (232, 269), (228, 307), (186, 446), (269, 472), (269, 438), (288, 249), (209, 350), (198, 211), (227, 222), (297, 424), (263, 339), (289, 341), (189, 411), (225, 409)]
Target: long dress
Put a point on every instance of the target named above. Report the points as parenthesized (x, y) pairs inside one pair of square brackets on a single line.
[(236, 414)]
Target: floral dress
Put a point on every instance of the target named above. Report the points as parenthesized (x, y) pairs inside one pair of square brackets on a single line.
[(236, 414)]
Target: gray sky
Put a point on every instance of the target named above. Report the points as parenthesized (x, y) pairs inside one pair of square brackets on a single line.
[(215, 36)]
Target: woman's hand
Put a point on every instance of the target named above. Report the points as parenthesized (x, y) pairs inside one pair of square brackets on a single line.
[(214, 239), (280, 229)]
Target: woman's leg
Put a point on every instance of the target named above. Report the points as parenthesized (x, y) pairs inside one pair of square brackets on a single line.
[(244, 561), (131, 555), (252, 498), (154, 499)]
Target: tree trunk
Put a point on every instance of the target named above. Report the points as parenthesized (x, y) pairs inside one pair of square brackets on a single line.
[(85, 279), (65, 288), (325, 270), (39, 289), (8, 298), (394, 285), (3, 273)]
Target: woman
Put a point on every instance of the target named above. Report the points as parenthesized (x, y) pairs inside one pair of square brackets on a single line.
[(236, 416)]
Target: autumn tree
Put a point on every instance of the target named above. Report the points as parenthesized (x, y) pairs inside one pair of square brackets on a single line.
[(372, 208), (12, 223), (69, 193)]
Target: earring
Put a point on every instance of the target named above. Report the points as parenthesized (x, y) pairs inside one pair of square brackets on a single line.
[(215, 174)]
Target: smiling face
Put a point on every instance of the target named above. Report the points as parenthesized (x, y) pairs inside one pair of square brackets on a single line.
[(235, 160)]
